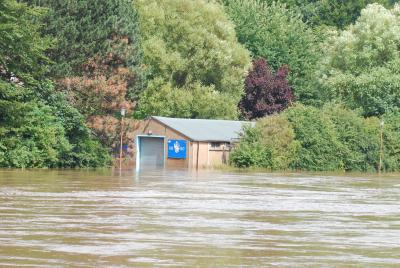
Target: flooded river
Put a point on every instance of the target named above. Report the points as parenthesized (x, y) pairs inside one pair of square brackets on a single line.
[(206, 219)]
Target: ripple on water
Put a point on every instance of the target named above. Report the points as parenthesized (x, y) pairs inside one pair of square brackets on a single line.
[(178, 218)]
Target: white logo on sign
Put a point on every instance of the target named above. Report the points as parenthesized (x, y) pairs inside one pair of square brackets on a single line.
[(177, 147)]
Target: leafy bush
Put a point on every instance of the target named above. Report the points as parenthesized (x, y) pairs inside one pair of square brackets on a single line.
[(330, 139), (392, 141), (320, 148), (270, 144), (278, 136), (336, 13), (33, 138), (44, 131), (359, 137), (250, 152)]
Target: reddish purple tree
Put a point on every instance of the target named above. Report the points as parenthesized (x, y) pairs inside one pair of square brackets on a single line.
[(265, 93)]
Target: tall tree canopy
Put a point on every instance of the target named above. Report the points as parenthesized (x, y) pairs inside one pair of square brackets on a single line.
[(84, 29), (38, 128), (278, 34), (362, 66), (97, 58), (190, 47), (336, 13), (21, 45)]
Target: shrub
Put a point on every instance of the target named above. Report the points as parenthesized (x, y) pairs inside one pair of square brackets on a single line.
[(192, 101), (277, 136), (250, 152), (391, 140), (34, 139), (269, 145), (359, 137), (320, 148)]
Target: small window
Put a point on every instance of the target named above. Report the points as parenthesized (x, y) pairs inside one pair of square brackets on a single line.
[(216, 146), (219, 146)]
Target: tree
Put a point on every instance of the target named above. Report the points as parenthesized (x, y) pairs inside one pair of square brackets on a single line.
[(22, 57), (273, 32), (87, 28), (99, 94), (336, 13), (362, 67), (98, 60), (191, 46), (192, 101), (38, 128), (265, 93)]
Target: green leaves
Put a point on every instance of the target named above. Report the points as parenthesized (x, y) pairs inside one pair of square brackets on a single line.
[(38, 127), (191, 47), (192, 101), (22, 47), (273, 32), (271, 144), (362, 63), (330, 139), (85, 29)]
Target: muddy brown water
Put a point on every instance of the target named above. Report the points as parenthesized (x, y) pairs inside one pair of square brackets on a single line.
[(206, 219)]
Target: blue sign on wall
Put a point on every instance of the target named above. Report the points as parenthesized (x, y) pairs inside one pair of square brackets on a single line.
[(177, 149)]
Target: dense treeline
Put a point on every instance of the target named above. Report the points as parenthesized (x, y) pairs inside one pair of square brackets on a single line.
[(318, 75), (355, 88), (328, 139), (38, 126)]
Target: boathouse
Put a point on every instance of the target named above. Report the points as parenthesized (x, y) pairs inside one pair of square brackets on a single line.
[(185, 143)]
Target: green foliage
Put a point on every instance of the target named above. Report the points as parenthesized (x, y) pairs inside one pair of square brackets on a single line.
[(191, 46), (38, 127), (359, 137), (21, 45), (88, 29), (192, 101), (250, 152), (320, 148), (336, 13), (270, 144), (392, 141), (30, 135), (85, 150), (278, 136), (35, 134), (279, 35), (362, 67), (330, 139)]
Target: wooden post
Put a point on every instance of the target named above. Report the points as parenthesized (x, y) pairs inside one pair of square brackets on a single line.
[(120, 146), (381, 149)]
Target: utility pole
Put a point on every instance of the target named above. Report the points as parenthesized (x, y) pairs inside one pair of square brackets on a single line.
[(381, 148), (121, 134)]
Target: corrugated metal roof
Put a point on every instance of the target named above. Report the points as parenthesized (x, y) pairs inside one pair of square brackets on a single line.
[(204, 129)]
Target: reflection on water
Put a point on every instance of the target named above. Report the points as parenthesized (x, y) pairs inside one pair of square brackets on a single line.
[(177, 218)]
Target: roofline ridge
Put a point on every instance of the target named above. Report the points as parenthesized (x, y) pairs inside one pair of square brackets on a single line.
[(180, 118)]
